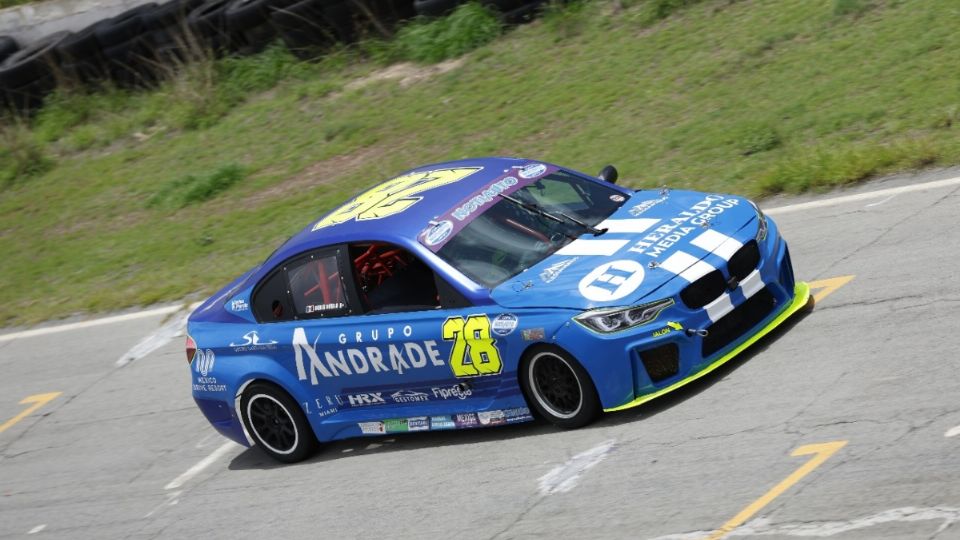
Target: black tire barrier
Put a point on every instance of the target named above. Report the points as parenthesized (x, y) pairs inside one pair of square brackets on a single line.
[(523, 14), (208, 23), (243, 15), (27, 98), (81, 45), (171, 14), (303, 28), (122, 28), (36, 61), (505, 6), (8, 46), (435, 8)]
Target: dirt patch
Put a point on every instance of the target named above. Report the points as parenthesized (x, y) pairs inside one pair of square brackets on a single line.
[(408, 73)]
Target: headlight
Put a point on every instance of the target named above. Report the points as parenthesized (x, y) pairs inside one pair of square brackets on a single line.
[(609, 320), (761, 222)]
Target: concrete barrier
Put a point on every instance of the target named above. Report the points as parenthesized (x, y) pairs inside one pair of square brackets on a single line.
[(29, 22)]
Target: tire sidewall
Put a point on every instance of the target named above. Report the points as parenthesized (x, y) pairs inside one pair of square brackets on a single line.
[(589, 408), (305, 443)]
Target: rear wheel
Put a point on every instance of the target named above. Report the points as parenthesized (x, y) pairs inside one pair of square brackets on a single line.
[(276, 423), (559, 389)]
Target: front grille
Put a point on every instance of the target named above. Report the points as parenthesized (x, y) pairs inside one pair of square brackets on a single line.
[(662, 362), (737, 322), (704, 290), (708, 288), (744, 261)]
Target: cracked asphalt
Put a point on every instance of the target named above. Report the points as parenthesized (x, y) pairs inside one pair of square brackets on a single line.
[(873, 364)]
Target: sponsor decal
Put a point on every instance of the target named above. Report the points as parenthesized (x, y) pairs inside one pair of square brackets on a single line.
[(617, 198), (438, 232), (485, 197), (505, 324), (374, 335), (663, 237), (409, 396), (318, 308), (399, 358), (203, 362), (670, 327), (532, 170), (418, 423), (532, 334), (442, 422), (643, 206), (239, 305), (393, 196), (552, 272), (491, 418), (371, 428), (362, 400), (612, 280), (251, 342), (457, 391), (519, 414), (474, 352), (395, 425), (465, 420), (327, 412)]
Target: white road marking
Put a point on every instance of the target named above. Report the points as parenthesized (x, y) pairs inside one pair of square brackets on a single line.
[(952, 432), (172, 499), (762, 526), (157, 312), (37, 529), (202, 464), (176, 327), (888, 199), (879, 194), (563, 478)]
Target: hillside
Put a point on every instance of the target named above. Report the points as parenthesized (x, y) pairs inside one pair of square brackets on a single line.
[(129, 199)]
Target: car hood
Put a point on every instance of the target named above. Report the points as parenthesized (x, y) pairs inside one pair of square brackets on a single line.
[(651, 240)]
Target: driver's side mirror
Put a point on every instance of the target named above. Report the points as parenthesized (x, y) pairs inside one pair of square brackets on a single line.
[(609, 174)]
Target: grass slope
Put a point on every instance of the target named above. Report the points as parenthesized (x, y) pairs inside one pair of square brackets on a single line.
[(749, 96)]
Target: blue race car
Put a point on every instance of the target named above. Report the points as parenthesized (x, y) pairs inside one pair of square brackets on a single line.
[(482, 292)]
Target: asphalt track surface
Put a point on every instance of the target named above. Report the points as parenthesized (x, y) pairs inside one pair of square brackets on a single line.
[(845, 424)]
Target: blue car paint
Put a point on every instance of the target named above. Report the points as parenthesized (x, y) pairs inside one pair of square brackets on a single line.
[(327, 387)]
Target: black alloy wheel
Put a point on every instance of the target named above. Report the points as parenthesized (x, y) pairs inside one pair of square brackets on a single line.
[(276, 423), (559, 389)]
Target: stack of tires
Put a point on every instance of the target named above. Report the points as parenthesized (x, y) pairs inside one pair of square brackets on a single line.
[(143, 45), (28, 74)]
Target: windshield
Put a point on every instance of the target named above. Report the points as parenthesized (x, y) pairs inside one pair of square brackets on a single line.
[(506, 239)]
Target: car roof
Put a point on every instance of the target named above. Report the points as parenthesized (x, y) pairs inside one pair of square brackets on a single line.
[(399, 226)]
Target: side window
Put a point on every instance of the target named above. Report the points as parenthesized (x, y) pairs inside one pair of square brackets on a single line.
[(391, 279), (271, 300), (316, 286), (307, 287)]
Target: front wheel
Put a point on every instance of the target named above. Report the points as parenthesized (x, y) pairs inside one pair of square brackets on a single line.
[(276, 423), (559, 389)]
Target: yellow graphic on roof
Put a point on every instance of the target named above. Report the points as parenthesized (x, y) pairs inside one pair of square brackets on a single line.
[(393, 196)]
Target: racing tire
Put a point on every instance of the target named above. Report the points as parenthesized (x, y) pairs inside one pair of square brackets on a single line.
[(8, 46), (122, 28), (435, 8), (558, 388), (276, 423), (31, 63)]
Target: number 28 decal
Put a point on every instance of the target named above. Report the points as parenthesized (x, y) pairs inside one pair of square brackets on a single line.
[(474, 352)]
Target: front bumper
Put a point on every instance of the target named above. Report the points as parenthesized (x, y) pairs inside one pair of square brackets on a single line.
[(684, 343)]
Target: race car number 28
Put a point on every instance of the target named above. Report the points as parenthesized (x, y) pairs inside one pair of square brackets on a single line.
[(474, 352)]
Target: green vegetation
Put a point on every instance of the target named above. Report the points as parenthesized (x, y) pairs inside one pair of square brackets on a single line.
[(464, 30), (195, 189), (753, 97), (11, 3)]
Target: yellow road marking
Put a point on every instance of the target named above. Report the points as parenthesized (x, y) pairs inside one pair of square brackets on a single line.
[(38, 400), (828, 286), (821, 451)]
